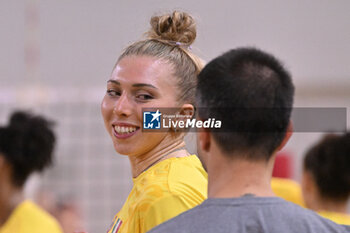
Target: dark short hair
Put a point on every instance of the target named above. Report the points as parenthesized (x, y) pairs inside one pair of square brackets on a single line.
[(328, 162), (255, 82), (27, 144)]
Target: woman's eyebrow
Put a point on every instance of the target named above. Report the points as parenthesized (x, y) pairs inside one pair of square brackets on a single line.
[(113, 81), (143, 85), (134, 85)]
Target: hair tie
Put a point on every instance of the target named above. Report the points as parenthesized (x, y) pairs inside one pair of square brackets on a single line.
[(189, 47)]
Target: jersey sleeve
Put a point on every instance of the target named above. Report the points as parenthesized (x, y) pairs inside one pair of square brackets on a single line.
[(162, 210)]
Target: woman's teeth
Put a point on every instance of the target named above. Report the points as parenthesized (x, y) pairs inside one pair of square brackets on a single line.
[(124, 129)]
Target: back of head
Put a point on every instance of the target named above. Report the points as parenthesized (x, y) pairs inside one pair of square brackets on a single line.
[(27, 144), (328, 162), (170, 39), (252, 94)]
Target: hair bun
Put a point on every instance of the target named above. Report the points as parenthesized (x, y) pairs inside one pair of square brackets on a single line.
[(177, 27), (20, 120)]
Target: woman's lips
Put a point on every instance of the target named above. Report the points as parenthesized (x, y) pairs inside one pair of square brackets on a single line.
[(123, 131)]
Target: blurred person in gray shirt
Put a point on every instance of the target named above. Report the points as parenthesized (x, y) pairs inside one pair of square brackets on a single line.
[(252, 94)]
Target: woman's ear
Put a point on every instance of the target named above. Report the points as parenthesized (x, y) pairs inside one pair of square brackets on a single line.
[(184, 113), (187, 110)]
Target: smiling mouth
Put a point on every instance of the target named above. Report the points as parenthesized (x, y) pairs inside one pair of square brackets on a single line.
[(124, 129)]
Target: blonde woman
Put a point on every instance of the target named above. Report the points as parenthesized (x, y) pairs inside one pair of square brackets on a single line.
[(158, 72)]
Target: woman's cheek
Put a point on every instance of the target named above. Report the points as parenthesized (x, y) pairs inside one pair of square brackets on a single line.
[(106, 108)]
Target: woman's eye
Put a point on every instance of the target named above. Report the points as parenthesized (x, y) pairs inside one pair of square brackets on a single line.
[(113, 93), (144, 97)]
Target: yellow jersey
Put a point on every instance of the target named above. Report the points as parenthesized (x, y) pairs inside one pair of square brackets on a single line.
[(339, 218), (29, 218), (165, 190), (287, 189)]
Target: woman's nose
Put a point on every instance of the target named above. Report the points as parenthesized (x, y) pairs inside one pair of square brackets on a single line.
[(123, 106)]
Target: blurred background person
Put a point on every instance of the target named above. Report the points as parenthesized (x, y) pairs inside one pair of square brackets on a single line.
[(326, 177), (69, 215), (26, 146), (66, 209), (288, 189)]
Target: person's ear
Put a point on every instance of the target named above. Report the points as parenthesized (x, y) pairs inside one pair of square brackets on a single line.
[(309, 190), (187, 110), (2, 162), (204, 140), (307, 183), (184, 113), (4, 167), (287, 136)]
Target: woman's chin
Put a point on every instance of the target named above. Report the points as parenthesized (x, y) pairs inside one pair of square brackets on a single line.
[(124, 150)]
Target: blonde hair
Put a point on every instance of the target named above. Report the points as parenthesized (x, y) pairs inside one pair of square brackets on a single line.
[(169, 39)]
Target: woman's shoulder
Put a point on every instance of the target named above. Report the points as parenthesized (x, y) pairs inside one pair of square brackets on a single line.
[(187, 177), (176, 177), (187, 169), (182, 169)]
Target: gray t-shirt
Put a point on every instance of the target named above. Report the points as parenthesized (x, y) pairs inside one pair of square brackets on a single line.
[(249, 215)]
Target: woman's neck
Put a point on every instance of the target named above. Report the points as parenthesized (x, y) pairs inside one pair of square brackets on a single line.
[(10, 198), (168, 148)]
